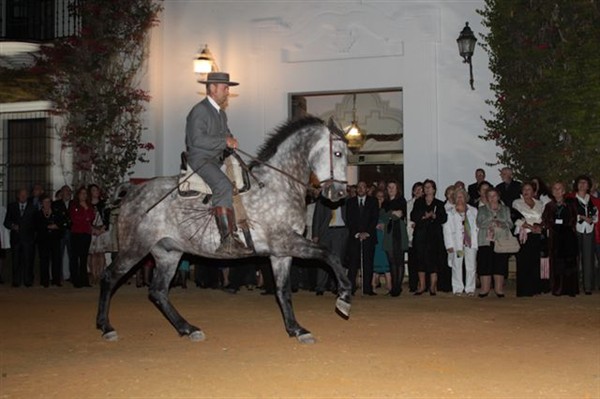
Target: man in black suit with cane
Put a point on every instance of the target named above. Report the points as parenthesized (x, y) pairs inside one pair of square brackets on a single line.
[(362, 214)]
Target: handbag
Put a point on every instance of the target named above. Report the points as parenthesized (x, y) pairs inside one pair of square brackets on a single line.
[(506, 244)]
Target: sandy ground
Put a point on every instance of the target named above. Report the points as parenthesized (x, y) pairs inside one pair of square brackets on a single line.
[(407, 347)]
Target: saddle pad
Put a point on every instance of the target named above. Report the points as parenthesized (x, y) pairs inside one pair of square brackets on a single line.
[(191, 185)]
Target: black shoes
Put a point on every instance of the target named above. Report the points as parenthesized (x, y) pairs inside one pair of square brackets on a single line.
[(483, 295)]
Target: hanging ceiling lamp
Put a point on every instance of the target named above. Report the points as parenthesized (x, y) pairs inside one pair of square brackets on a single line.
[(354, 135)]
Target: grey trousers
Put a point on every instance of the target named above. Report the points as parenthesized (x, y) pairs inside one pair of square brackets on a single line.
[(335, 241), (222, 189), (586, 260)]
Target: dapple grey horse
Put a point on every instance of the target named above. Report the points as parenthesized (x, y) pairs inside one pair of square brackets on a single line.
[(155, 220)]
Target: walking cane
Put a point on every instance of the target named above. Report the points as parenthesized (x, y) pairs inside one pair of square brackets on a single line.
[(362, 276)]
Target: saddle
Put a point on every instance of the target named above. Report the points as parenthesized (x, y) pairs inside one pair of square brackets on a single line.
[(191, 185)]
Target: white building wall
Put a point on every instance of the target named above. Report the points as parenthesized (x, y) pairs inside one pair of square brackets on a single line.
[(274, 48)]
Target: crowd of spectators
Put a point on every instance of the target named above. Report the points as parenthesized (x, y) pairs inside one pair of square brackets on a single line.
[(68, 236), (386, 242), (457, 244)]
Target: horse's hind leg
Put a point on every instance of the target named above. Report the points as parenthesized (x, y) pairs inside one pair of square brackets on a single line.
[(167, 262), (111, 280), (281, 272)]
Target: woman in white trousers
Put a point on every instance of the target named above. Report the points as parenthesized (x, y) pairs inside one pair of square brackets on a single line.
[(460, 238)]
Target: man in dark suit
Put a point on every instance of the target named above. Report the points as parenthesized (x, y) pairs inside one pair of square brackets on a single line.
[(362, 214), (509, 189), (61, 207), (20, 220), (207, 136), (329, 230), (473, 189)]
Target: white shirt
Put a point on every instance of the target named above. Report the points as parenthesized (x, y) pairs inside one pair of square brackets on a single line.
[(585, 227), (362, 200)]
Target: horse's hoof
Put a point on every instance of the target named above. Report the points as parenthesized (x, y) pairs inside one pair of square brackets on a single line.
[(197, 336), (342, 308), (306, 338), (111, 336)]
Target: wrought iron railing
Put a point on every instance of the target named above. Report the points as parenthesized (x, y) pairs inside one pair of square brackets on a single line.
[(38, 20)]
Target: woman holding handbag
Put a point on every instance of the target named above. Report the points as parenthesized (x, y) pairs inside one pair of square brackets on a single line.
[(529, 230), (495, 225)]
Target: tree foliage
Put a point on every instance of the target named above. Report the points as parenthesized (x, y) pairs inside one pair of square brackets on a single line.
[(545, 57), (95, 86)]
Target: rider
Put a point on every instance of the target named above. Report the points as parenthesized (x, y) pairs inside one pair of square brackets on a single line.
[(207, 136)]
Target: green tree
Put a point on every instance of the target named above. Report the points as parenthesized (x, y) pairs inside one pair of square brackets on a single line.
[(545, 57), (95, 86)]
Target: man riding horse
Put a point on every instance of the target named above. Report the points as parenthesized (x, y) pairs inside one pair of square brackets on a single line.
[(207, 137)]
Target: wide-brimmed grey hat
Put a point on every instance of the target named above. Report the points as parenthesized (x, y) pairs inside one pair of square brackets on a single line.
[(218, 77)]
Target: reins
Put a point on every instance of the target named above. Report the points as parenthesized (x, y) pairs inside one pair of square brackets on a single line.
[(259, 161), (283, 172)]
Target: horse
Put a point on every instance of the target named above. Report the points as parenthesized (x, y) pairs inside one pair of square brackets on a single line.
[(154, 219)]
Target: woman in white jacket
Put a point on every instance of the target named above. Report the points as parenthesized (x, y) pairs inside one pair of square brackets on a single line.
[(460, 238)]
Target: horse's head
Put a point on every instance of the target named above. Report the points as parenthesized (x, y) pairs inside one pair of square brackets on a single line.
[(328, 160)]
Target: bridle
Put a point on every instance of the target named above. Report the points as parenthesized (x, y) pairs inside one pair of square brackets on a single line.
[(333, 136)]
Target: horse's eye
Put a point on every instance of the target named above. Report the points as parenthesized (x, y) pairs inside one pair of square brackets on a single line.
[(337, 154)]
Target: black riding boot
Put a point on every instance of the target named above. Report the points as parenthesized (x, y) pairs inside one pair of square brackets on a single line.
[(230, 245)]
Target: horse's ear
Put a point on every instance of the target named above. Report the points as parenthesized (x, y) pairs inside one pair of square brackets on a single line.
[(335, 128)]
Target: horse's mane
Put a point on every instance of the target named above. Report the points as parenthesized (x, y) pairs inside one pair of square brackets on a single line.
[(282, 133)]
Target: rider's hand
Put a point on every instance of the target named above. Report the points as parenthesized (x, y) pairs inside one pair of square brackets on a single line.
[(232, 142)]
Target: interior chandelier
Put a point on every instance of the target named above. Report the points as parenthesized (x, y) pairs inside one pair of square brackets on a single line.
[(354, 134)]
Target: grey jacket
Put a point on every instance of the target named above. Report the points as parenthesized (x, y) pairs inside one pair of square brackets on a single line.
[(206, 132), (500, 222)]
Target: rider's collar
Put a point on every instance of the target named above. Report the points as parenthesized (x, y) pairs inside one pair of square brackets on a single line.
[(213, 103)]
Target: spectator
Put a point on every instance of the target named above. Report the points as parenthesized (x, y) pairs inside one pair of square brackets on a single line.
[(20, 220), (429, 215), (540, 190), (100, 243), (61, 206), (49, 233), (482, 190), (381, 265), (460, 237), (587, 217), (362, 214), (413, 275), (4, 242), (449, 197), (529, 229), (493, 222), (329, 230), (82, 216), (509, 189), (459, 184), (473, 189), (559, 220), (37, 192), (351, 188), (596, 201), (395, 239)]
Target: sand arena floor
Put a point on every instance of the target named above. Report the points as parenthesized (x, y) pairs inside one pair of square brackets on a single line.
[(407, 347)]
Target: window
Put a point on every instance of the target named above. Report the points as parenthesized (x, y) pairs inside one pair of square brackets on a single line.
[(26, 153)]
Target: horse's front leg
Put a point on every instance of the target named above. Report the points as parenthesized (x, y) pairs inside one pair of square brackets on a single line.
[(167, 262), (283, 290), (299, 247)]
